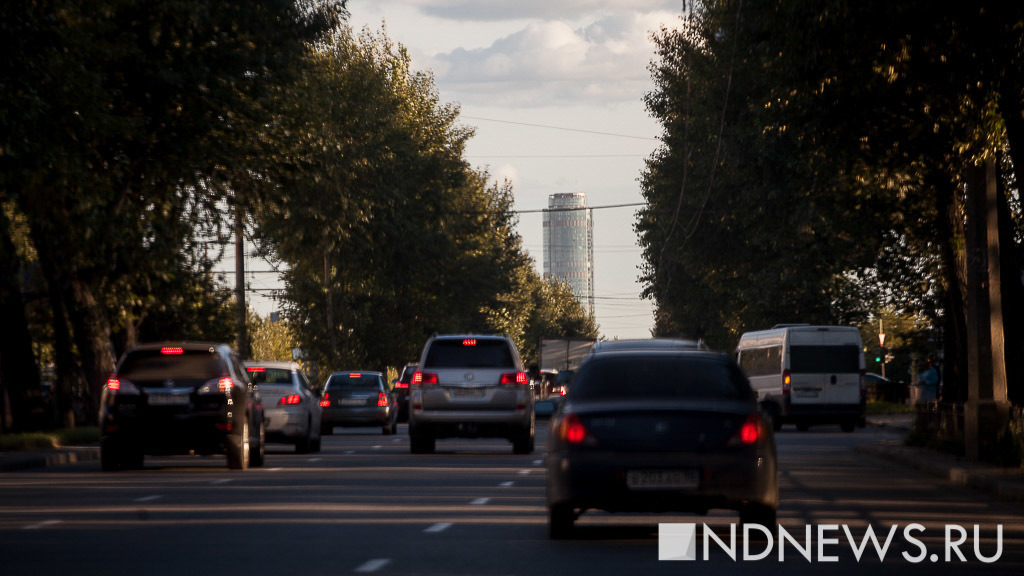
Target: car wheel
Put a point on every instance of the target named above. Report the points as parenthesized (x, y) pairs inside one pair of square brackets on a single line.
[(803, 426), (257, 458), (523, 443), (304, 444), (238, 448), (848, 425), (326, 430), (420, 443), (110, 456), (561, 518), (759, 514)]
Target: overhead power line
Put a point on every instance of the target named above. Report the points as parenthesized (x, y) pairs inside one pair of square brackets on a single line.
[(559, 128)]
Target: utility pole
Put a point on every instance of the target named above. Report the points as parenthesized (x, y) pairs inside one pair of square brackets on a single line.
[(243, 339), (987, 409)]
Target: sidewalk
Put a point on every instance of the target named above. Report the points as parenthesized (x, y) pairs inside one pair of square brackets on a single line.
[(42, 458), (1006, 484)]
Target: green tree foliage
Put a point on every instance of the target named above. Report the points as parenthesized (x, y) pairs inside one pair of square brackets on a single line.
[(814, 163), (270, 340)]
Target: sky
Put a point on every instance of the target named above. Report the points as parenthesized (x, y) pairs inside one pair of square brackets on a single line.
[(554, 90)]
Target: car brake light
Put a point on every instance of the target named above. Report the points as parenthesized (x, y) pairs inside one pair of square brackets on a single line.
[(172, 350), (561, 392), (514, 378), (256, 369), (572, 430), (402, 385), (787, 382), (113, 383), (225, 384), (751, 432), (423, 378), (469, 342), (355, 375), (290, 400), (382, 399), (325, 401)]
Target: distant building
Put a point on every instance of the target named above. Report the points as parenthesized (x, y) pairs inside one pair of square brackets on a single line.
[(569, 245)]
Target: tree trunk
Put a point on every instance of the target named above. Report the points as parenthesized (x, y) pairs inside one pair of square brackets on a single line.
[(19, 373), (91, 329), (954, 369)]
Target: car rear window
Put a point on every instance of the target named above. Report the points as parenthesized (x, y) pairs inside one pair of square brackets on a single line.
[(147, 365), (843, 359), (353, 380), (469, 353), (261, 375), (669, 377)]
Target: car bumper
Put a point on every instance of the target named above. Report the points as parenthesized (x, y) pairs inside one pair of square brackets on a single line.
[(824, 412), (173, 433), (357, 416), (284, 424), (598, 480)]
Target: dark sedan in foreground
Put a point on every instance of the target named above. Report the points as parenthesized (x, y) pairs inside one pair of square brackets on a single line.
[(660, 431), (358, 398)]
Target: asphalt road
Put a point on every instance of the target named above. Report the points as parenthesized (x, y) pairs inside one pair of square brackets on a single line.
[(365, 505)]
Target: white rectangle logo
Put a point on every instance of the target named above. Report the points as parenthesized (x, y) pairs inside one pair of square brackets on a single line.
[(677, 541)]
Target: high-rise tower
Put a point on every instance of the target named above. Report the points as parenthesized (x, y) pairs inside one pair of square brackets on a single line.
[(569, 244)]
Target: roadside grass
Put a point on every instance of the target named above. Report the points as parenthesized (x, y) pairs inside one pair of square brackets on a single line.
[(888, 408), (51, 439)]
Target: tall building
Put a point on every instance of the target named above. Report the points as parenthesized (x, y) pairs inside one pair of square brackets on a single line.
[(569, 244)]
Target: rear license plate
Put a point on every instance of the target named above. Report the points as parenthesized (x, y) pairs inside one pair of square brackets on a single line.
[(467, 392), (352, 401), (168, 400), (658, 479), (807, 392)]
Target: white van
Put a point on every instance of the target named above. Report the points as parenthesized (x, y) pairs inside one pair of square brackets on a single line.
[(806, 374)]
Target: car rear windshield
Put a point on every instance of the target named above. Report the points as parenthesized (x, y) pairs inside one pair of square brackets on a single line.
[(640, 377), (260, 375), (469, 353), (843, 359), (353, 380), (148, 365)]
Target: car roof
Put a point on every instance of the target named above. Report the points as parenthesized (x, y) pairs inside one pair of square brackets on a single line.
[(661, 353), (347, 372), (273, 364), (647, 344), (469, 335), (184, 344)]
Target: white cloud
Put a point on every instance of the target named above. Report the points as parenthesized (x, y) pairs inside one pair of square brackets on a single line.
[(604, 61), (492, 10)]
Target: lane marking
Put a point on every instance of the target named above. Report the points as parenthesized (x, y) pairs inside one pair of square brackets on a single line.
[(397, 440), (377, 447), (373, 565), (149, 498), (524, 472), (439, 527), (480, 501), (315, 459), (538, 462), (507, 484), (42, 524), (221, 481), (350, 451), (273, 469)]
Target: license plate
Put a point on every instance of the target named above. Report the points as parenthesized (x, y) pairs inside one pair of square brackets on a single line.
[(467, 392), (807, 392), (352, 401), (168, 400), (657, 479)]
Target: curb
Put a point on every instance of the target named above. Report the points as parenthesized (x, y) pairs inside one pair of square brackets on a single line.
[(14, 461), (1006, 484)]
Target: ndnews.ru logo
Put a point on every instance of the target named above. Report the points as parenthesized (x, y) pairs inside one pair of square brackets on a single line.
[(679, 542)]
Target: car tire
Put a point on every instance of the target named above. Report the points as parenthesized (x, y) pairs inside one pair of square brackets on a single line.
[(803, 426), (326, 430), (304, 445), (421, 443), (848, 425), (561, 518), (238, 448), (110, 456), (759, 514), (259, 456), (523, 443)]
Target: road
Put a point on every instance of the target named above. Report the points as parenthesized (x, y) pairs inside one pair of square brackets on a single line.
[(365, 505)]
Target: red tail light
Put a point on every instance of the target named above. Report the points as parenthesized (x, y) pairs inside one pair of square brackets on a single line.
[(424, 378), (172, 350), (382, 399), (289, 400), (401, 385), (751, 432), (571, 430), (113, 383), (355, 375), (469, 342), (787, 382), (514, 378), (256, 369), (225, 384), (325, 401), (561, 392)]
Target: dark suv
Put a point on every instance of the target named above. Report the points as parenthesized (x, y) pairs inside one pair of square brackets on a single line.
[(401, 391), (180, 398), (470, 386)]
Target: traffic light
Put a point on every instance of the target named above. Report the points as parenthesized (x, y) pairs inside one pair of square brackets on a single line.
[(880, 354)]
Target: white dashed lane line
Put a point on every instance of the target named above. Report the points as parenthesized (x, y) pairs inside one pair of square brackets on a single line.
[(524, 472), (221, 481), (538, 462), (480, 501), (373, 565), (148, 498), (42, 524), (507, 484), (439, 527), (315, 459)]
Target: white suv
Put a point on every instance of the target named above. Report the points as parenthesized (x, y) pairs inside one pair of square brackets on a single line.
[(470, 386)]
